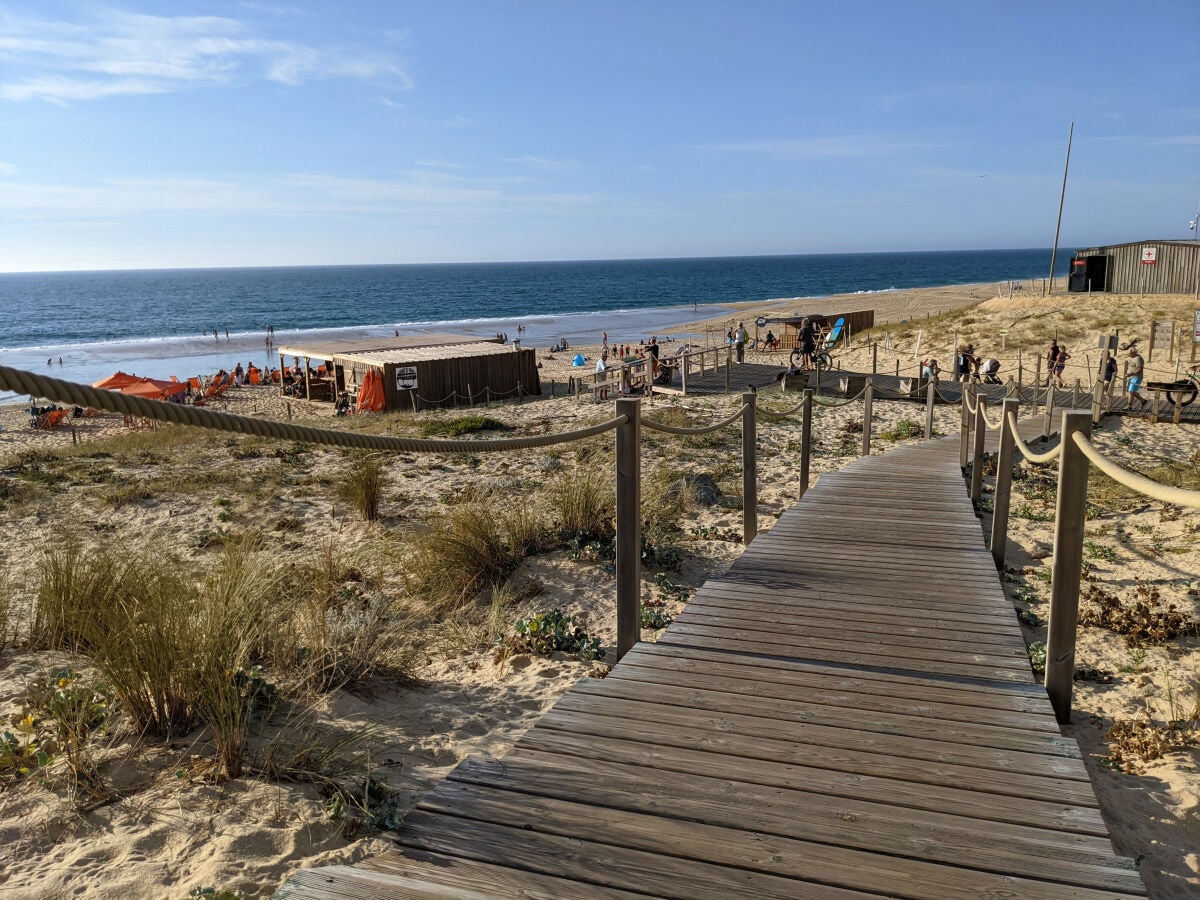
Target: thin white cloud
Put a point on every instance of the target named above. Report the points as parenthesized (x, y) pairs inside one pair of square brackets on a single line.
[(1177, 140), (541, 162), (833, 147), (125, 53), (7, 170)]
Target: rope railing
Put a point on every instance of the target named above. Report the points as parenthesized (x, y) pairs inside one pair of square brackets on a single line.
[(694, 432), (73, 394), (775, 414), (1134, 480), (992, 426), (834, 404), (1026, 451)]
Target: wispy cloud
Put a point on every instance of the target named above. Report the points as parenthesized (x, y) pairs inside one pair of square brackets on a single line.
[(126, 53), (838, 146), (1175, 140), (7, 170), (543, 163)]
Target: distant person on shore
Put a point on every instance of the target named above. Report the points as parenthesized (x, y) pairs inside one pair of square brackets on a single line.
[(226, 334), (739, 341), (1137, 369)]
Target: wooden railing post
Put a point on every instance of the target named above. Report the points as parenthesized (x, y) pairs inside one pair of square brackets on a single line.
[(629, 525), (1075, 395), (964, 429), (806, 439), (1020, 370), (874, 358), (1037, 383), (868, 397), (977, 446), (1097, 402), (1068, 560), (728, 367), (1049, 411), (749, 469), (998, 542), (683, 372), (930, 391)]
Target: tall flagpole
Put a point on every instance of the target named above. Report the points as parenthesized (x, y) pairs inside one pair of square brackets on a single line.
[(1061, 197)]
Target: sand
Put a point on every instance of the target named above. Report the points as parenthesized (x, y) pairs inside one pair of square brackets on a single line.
[(171, 828)]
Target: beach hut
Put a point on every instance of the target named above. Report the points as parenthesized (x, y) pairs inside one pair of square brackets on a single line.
[(419, 372), (1138, 267), (852, 324)]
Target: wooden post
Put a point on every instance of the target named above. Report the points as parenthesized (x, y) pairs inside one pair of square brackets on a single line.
[(954, 355), (1178, 410), (977, 446), (964, 429), (874, 358), (1004, 469), (1154, 409), (289, 409), (1097, 402), (1049, 412), (470, 397), (1020, 370), (629, 525), (930, 391), (868, 397), (728, 367), (683, 371), (805, 439), (1068, 561), (897, 367), (1075, 395), (749, 470), (1038, 382)]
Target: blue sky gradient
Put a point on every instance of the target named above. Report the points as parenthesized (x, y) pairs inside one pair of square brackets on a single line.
[(227, 134)]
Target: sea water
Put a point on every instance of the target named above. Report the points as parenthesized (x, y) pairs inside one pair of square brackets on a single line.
[(192, 321)]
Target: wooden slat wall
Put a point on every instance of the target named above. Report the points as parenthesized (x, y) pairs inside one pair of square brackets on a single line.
[(445, 382), (1174, 273)]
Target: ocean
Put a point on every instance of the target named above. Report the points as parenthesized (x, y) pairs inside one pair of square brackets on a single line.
[(162, 322)]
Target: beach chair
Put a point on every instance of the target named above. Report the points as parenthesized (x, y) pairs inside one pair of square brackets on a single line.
[(194, 384)]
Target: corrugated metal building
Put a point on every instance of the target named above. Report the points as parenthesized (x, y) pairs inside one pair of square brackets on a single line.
[(1139, 267)]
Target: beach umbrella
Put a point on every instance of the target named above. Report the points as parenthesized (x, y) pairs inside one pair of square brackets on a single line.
[(370, 394), (116, 381), (153, 389)]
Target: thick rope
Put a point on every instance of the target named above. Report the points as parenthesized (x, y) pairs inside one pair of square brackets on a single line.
[(763, 413), (1035, 458), (693, 432), (829, 404), (1139, 483), (992, 426), (81, 395), (967, 398)]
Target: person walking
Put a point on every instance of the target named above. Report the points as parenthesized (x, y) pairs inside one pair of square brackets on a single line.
[(1060, 366), (1137, 368), (739, 342), (1051, 361)]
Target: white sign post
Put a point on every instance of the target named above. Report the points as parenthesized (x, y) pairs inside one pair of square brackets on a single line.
[(406, 378)]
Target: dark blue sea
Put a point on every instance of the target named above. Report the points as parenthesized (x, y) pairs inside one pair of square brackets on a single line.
[(159, 322)]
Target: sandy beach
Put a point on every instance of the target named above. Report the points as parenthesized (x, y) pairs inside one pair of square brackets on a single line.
[(158, 821)]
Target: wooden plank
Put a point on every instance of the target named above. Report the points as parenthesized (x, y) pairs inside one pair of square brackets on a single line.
[(830, 692), (818, 619), (792, 711), (798, 741), (1032, 851), (863, 653), (964, 798), (866, 614), (463, 876), (598, 863), (679, 846), (1027, 699)]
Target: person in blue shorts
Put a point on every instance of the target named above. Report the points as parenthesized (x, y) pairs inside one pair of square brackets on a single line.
[(1137, 368)]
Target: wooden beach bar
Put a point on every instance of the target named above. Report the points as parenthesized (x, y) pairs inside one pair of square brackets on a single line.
[(420, 372)]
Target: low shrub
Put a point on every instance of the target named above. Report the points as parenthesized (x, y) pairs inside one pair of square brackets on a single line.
[(582, 504), (1142, 619), (903, 430), (548, 633)]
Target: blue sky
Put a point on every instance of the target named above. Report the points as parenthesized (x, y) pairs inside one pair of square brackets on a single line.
[(139, 135)]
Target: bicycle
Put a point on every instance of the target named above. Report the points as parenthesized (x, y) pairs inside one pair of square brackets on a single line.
[(821, 360)]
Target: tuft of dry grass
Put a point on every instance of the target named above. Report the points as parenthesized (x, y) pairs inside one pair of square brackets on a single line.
[(472, 545), (582, 503), (363, 486)]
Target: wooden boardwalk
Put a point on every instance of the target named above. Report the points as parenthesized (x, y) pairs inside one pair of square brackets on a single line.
[(848, 712)]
